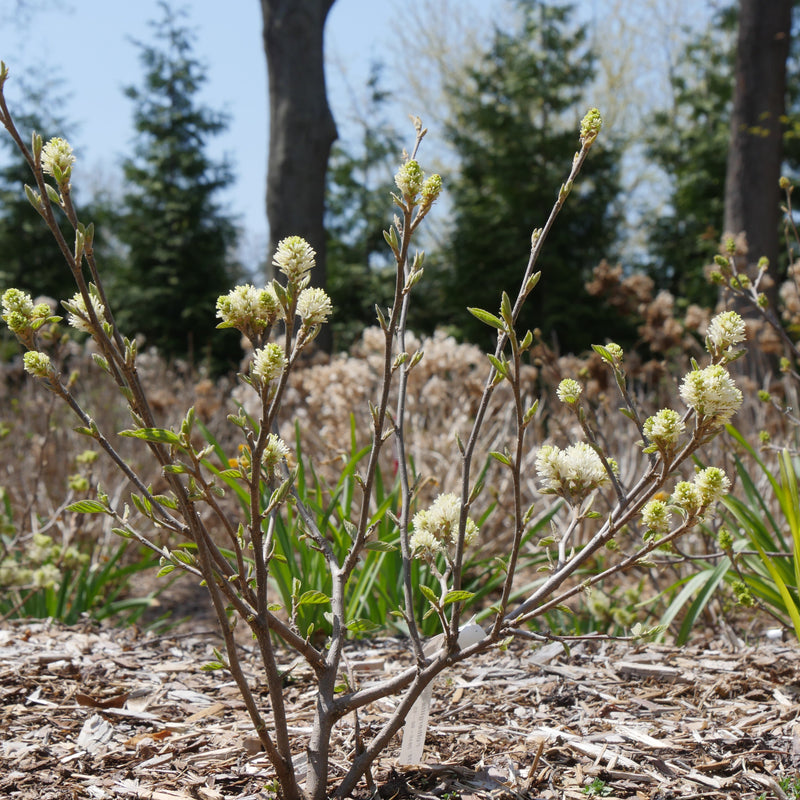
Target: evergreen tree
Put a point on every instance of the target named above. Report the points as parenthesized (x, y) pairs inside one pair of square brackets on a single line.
[(28, 259), (179, 241), (690, 143), (358, 211), (515, 122)]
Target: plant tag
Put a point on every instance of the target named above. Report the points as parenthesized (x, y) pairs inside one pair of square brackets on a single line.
[(417, 720)]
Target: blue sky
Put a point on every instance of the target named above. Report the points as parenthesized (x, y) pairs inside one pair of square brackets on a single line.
[(88, 44)]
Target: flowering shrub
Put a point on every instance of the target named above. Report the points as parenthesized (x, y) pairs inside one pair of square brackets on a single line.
[(280, 321)]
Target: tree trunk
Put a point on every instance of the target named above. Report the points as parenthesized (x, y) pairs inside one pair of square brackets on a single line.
[(301, 127), (752, 196)]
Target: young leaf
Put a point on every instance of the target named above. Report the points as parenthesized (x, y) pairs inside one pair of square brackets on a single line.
[(429, 594), (489, 319), (360, 625), (89, 507), (313, 598), (454, 596), (503, 459), (159, 435), (381, 547)]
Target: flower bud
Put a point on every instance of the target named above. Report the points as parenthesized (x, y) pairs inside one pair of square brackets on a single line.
[(409, 179), (57, 159), (431, 190), (688, 497), (268, 363), (590, 126), (37, 364), (275, 451), (656, 517), (569, 391), (616, 352), (663, 429), (17, 310)]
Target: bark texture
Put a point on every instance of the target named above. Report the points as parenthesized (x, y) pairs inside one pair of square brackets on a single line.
[(752, 196), (301, 126)]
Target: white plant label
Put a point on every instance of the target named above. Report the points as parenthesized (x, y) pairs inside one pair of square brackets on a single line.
[(417, 720)]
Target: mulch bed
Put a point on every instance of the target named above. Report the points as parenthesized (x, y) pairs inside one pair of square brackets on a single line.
[(93, 712)]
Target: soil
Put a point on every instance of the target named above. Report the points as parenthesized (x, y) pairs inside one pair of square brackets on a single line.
[(96, 712)]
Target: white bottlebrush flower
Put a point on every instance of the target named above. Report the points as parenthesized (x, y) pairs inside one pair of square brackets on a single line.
[(78, 314), (713, 484), (712, 393), (314, 306), (57, 158), (550, 466), (569, 391), (573, 472), (275, 452), (585, 470), (688, 497), (424, 543), (724, 332), (664, 428), (268, 363), (47, 576), (656, 516), (294, 258), (437, 526), (248, 309)]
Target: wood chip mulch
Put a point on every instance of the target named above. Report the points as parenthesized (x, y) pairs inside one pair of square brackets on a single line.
[(92, 712)]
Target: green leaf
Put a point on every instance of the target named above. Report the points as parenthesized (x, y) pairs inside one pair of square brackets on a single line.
[(184, 557), (165, 570), (101, 362), (500, 366), (429, 594), (159, 435), (380, 547), (502, 458), (166, 500), (792, 608), (506, 310), (142, 505), (174, 469), (603, 352), (360, 625), (489, 319), (459, 596), (84, 431), (532, 281), (313, 598), (89, 507)]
